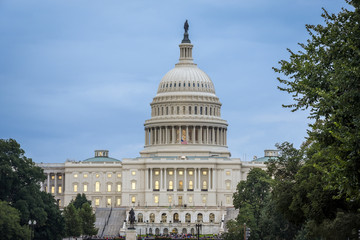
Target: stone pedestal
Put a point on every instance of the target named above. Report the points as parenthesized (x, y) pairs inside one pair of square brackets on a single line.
[(130, 234)]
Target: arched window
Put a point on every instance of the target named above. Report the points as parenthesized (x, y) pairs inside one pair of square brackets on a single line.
[(199, 217), (192, 231), (205, 110), (228, 184), (152, 217), (201, 112), (184, 231), (176, 218), (204, 186), (212, 217), (189, 109), (163, 217), (187, 217), (97, 186), (175, 231), (140, 218), (166, 231), (157, 185)]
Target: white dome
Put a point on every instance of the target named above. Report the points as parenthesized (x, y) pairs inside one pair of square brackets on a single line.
[(186, 78)]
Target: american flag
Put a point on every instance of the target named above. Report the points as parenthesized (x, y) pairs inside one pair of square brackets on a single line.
[(183, 141)]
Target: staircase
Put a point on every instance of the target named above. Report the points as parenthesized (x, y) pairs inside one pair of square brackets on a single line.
[(109, 221)]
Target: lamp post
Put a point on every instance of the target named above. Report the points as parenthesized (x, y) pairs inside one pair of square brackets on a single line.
[(147, 225), (32, 224), (198, 227)]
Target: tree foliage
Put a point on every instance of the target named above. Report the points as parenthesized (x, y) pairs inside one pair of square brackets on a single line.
[(72, 221), (10, 227), (19, 181), (87, 220), (80, 200)]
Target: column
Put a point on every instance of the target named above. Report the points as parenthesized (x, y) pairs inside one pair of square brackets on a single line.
[(147, 178), (155, 135), (146, 137), (208, 182), (214, 178), (225, 136), (151, 184), (161, 179), (193, 135), (185, 179), (151, 136), (195, 182), (48, 182), (217, 136), (161, 136), (63, 183), (200, 135), (173, 135), (166, 136), (55, 186), (187, 134), (165, 186), (207, 135), (180, 134), (213, 135), (175, 179)]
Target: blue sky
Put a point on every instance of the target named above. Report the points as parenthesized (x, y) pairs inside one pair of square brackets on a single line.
[(76, 76)]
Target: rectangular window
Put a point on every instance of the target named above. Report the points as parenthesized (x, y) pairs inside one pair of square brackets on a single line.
[(171, 186), (119, 175), (156, 199), (108, 202), (133, 173), (85, 187), (60, 189), (52, 189), (181, 172), (191, 172), (97, 202), (75, 175), (133, 199), (119, 187), (59, 177), (109, 187), (85, 175), (97, 187), (109, 175), (228, 200), (170, 199), (118, 201), (191, 184), (228, 186), (75, 187), (190, 199), (133, 185), (204, 199), (157, 172), (52, 177), (228, 173)]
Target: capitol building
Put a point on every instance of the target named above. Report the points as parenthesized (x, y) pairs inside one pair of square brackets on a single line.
[(183, 176)]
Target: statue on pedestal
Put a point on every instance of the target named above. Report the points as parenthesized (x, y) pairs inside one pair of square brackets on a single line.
[(132, 218)]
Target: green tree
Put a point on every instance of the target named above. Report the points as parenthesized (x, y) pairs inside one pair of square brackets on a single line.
[(87, 220), (80, 200), (10, 227), (72, 221), (19, 181), (250, 198), (325, 78)]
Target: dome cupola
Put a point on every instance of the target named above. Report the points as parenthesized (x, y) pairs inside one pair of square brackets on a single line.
[(185, 113)]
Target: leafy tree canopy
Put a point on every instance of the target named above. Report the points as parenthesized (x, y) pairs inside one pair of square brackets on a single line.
[(80, 200)]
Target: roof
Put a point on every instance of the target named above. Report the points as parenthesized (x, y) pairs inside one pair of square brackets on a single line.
[(263, 159), (101, 159)]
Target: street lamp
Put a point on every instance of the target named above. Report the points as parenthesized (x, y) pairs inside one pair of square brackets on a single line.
[(147, 225), (32, 224), (198, 227)]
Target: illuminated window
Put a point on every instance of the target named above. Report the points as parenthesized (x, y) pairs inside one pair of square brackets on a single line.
[(156, 185), (133, 199), (204, 185), (97, 187), (171, 172), (133, 185), (190, 199), (60, 177), (119, 187), (75, 187), (181, 172), (118, 201), (109, 187), (171, 186), (228, 173), (133, 173), (180, 200), (204, 199), (85, 175), (152, 217), (170, 199), (59, 202), (228, 200), (109, 175), (52, 177), (204, 173), (228, 185), (157, 172), (97, 175), (97, 201), (191, 186), (75, 175), (108, 201), (59, 189), (181, 185), (156, 199), (119, 175), (52, 189), (191, 173), (212, 217)]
